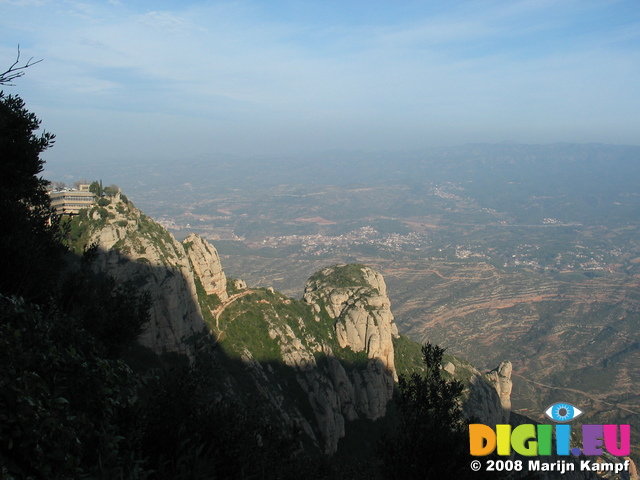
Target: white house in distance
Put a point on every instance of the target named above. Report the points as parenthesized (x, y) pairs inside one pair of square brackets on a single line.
[(71, 201)]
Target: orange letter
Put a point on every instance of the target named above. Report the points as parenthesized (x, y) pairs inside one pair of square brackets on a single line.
[(482, 440)]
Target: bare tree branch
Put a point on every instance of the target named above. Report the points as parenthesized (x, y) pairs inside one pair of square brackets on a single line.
[(15, 71)]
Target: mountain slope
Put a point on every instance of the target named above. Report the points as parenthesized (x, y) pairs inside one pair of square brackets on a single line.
[(317, 364)]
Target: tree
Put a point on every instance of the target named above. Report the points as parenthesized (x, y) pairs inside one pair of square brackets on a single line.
[(431, 441), (189, 433), (66, 411), (16, 71), (96, 187), (67, 404), (31, 246), (111, 190)]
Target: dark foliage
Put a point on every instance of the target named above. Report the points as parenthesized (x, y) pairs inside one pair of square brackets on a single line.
[(114, 313), (63, 408), (69, 408), (190, 432), (30, 246), (431, 440), (66, 403), (96, 187)]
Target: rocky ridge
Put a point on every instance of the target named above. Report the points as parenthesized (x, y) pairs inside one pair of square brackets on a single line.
[(133, 248), (352, 300), (489, 395), (331, 354), (206, 266)]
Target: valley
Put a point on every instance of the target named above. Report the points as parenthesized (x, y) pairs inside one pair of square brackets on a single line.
[(525, 253)]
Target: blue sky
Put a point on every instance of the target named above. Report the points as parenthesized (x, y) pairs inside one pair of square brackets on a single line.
[(145, 80)]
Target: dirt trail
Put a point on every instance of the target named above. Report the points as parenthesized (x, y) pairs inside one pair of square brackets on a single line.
[(218, 311)]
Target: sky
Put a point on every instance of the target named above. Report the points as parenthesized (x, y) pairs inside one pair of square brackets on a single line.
[(170, 80)]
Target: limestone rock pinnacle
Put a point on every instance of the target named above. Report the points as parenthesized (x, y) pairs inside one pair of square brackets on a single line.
[(501, 379), (206, 264), (355, 296)]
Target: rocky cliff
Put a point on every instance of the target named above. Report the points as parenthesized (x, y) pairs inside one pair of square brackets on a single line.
[(355, 296), (135, 249), (489, 395), (351, 300), (206, 265), (318, 363)]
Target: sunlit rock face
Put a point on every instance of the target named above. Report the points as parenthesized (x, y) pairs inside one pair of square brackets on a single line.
[(207, 266), (500, 378), (355, 296), (352, 300), (489, 396), (340, 352)]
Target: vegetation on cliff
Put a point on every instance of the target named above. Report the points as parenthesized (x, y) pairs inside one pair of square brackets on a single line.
[(71, 405)]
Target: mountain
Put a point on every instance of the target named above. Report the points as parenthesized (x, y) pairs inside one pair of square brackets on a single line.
[(325, 364), (525, 252), (135, 249)]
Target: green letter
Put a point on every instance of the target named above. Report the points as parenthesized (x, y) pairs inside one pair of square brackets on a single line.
[(523, 440)]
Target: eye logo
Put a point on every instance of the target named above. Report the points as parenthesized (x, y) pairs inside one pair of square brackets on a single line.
[(563, 412), (530, 440)]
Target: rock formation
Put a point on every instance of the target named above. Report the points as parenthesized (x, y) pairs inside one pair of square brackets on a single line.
[(352, 318), (360, 308), (489, 396), (206, 265), (500, 378), (337, 343), (633, 470), (134, 248)]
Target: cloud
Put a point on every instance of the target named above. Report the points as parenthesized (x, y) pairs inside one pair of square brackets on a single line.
[(165, 21), (252, 76)]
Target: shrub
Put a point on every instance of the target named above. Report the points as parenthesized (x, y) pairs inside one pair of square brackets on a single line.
[(431, 438)]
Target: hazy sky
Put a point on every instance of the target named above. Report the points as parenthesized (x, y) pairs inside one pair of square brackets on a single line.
[(175, 79)]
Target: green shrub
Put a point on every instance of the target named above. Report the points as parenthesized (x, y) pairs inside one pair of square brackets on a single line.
[(341, 276), (62, 405), (104, 214)]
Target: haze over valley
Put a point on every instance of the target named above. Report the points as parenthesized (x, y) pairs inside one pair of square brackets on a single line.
[(520, 252)]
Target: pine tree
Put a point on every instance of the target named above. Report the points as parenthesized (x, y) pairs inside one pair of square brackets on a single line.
[(431, 441)]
